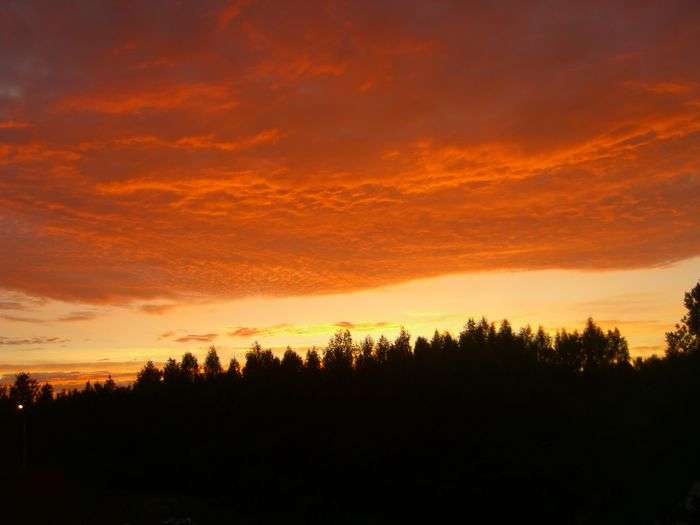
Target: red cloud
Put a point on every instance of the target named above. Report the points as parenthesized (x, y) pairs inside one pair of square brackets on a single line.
[(247, 149)]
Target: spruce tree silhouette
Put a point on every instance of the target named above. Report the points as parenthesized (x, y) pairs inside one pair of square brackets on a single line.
[(233, 372), (148, 377), (212, 365)]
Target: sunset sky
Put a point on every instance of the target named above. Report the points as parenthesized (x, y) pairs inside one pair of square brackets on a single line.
[(180, 174)]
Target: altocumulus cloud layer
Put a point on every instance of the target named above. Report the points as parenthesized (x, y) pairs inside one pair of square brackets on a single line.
[(209, 148)]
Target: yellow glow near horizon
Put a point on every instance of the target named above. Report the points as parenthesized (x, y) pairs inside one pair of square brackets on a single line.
[(643, 303)]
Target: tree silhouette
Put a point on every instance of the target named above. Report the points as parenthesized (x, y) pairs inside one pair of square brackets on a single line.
[(148, 377), (686, 336), (45, 395), (441, 426), (260, 363), (541, 347), (593, 345), (421, 349), (365, 358), (450, 346), (338, 355), (399, 353), (25, 390), (212, 365), (506, 341), (569, 351), (171, 372), (472, 338), (189, 367), (436, 345), (381, 350), (110, 386), (312, 362), (617, 351), (292, 364), (233, 371), (692, 304)]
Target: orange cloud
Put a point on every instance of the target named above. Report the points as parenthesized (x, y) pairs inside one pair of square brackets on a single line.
[(13, 124), (68, 318), (158, 99), (244, 332), (78, 316), (243, 148), (16, 341), (157, 309), (196, 338), (290, 329), (21, 319)]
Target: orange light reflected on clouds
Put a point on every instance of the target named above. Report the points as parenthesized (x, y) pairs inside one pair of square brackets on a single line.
[(202, 155)]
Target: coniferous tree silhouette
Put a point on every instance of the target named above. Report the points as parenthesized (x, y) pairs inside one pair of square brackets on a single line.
[(233, 372), (148, 377), (212, 365)]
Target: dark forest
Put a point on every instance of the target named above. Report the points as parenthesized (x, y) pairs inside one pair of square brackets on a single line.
[(490, 422)]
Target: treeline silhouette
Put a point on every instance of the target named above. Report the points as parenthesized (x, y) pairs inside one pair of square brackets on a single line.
[(564, 429)]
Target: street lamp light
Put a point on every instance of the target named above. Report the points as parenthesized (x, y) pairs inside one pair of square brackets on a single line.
[(20, 407)]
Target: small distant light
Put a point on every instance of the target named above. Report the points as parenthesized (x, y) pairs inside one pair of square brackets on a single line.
[(20, 407)]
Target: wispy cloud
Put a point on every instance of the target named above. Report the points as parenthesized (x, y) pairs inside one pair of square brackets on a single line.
[(315, 329), (67, 318), (197, 338), (10, 305), (157, 309), (244, 331), (20, 341), (78, 316), (22, 319)]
